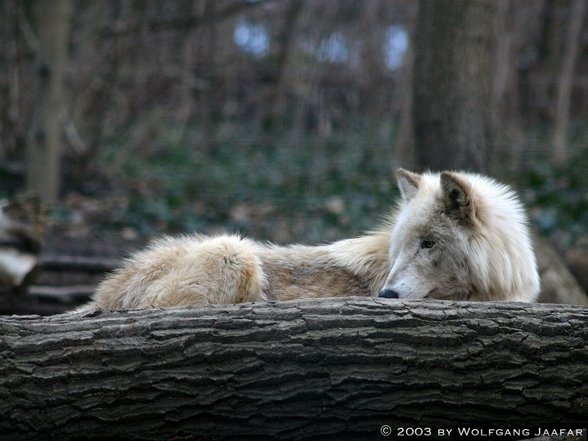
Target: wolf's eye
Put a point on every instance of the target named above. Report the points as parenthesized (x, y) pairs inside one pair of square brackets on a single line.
[(427, 243)]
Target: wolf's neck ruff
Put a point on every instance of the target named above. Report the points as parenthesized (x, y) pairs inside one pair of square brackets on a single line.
[(481, 241), (452, 236)]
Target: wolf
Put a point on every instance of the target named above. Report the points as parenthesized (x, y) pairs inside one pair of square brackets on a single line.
[(452, 235)]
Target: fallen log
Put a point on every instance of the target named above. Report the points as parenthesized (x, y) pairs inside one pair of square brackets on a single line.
[(67, 295), (25, 305), (89, 264), (21, 232), (298, 370)]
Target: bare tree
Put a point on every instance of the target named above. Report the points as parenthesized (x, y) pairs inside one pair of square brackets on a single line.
[(53, 20), (452, 84), (405, 151), (577, 14)]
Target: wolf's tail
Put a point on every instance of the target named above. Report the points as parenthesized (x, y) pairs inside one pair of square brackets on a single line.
[(88, 308)]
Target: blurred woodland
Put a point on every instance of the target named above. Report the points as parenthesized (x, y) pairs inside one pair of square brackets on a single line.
[(285, 119)]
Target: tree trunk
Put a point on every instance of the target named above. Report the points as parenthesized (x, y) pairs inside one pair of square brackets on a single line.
[(558, 284), (565, 80), (505, 110), (44, 153), (404, 154), (452, 84), (298, 370)]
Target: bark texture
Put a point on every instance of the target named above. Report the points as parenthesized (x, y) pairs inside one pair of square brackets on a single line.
[(558, 284), (565, 80), (45, 147), (291, 370), (452, 84)]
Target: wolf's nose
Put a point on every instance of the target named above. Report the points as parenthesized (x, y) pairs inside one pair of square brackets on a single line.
[(388, 294)]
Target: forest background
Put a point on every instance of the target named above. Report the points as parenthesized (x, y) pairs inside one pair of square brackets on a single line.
[(284, 119)]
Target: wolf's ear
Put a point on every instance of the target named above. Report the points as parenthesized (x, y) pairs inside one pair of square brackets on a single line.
[(408, 183), (457, 196)]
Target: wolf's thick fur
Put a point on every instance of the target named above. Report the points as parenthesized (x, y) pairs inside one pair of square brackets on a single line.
[(452, 236)]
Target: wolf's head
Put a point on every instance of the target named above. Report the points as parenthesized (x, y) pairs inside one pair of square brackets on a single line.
[(459, 236)]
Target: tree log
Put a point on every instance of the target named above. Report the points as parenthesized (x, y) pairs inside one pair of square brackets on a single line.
[(296, 370), (87, 264)]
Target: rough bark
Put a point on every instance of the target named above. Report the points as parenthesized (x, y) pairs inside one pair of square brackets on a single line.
[(292, 370), (558, 284), (452, 84), (565, 80), (576, 259), (44, 152), (505, 110)]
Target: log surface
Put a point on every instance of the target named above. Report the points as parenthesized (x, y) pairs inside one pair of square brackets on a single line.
[(304, 369)]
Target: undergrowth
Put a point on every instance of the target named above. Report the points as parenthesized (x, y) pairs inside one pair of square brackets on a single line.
[(308, 189)]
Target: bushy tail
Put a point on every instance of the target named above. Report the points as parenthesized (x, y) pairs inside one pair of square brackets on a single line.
[(88, 308)]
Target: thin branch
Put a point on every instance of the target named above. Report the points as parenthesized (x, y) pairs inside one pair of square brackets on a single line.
[(185, 22)]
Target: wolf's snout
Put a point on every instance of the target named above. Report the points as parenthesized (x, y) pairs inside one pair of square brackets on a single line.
[(388, 294)]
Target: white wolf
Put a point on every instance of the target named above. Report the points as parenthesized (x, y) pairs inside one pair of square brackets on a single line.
[(452, 236)]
